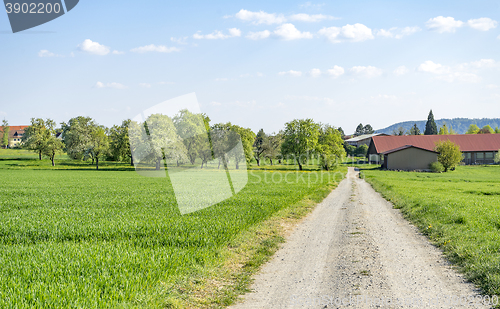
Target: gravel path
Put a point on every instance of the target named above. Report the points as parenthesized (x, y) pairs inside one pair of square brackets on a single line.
[(354, 250)]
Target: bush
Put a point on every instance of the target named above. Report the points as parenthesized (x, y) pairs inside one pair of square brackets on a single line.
[(436, 167), (449, 154)]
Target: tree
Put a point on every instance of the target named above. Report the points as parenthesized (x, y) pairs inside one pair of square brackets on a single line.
[(341, 131), (36, 135), (98, 145), (473, 129), (191, 128), (260, 145), (486, 130), (361, 151), (273, 149), (443, 130), (76, 136), (414, 130), (430, 125), (399, 131), (247, 139), (449, 154), (300, 139), (359, 130), (367, 129), (497, 130), (53, 146), (349, 149), (330, 147), (119, 142), (497, 157), (5, 133)]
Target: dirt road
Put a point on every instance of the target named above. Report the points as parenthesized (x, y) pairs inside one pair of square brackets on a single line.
[(354, 250)]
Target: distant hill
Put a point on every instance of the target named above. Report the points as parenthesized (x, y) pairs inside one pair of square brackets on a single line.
[(460, 125)]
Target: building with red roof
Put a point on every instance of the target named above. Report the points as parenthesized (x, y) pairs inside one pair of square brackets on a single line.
[(15, 135)]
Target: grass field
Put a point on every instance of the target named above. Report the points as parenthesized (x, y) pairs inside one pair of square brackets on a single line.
[(458, 210), (73, 237)]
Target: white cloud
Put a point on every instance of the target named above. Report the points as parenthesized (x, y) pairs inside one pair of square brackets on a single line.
[(310, 18), (443, 24), (259, 35), (460, 76), (145, 85), (315, 72), (397, 33), (110, 85), (155, 48), (46, 53), (484, 63), (491, 86), (401, 70), (309, 5), (213, 103), (260, 17), (93, 48), (181, 41), (218, 35), (482, 24), (336, 71), (434, 68), (116, 52), (291, 73), (368, 71), (289, 32), (352, 33)]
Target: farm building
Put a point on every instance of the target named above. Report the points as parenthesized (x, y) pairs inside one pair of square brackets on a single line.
[(362, 139), (409, 157), (477, 148), (15, 134)]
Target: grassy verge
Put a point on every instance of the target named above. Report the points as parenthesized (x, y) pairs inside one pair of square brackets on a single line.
[(459, 211)]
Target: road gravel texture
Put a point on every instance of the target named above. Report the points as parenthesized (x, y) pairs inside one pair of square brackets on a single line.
[(355, 251)]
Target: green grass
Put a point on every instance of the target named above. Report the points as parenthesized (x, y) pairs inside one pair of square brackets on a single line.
[(73, 237), (459, 211)]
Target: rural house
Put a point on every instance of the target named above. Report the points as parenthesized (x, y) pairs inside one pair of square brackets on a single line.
[(477, 149), (362, 139), (15, 135)]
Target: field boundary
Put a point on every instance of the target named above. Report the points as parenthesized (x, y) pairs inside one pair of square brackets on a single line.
[(221, 285)]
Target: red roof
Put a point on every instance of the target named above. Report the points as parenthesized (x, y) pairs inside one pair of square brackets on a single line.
[(15, 128), (467, 142)]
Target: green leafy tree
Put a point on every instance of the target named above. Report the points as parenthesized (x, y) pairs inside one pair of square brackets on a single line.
[(191, 128), (430, 125), (473, 129), (273, 149), (486, 130), (52, 144), (341, 131), (349, 149), (414, 130), (443, 130), (98, 145), (119, 142), (5, 133), (330, 147), (260, 145), (247, 139), (76, 135), (361, 151), (36, 134), (497, 130), (300, 139), (449, 154)]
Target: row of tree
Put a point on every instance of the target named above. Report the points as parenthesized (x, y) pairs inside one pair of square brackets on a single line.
[(431, 129), (186, 138)]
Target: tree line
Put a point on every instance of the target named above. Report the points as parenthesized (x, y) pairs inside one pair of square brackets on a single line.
[(186, 138)]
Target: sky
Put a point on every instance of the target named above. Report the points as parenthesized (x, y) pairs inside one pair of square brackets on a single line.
[(257, 64)]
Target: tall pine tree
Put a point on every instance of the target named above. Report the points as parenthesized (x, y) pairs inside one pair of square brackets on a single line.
[(430, 126)]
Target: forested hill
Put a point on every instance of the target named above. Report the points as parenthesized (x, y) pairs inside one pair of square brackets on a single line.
[(460, 125)]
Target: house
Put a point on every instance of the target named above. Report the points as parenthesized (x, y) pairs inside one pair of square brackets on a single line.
[(409, 157), (477, 148), (362, 139), (15, 135)]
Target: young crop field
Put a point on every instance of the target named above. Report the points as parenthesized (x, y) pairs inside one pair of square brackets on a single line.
[(74, 237), (458, 210)]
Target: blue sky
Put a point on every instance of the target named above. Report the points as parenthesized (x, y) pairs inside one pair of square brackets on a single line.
[(257, 64)]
